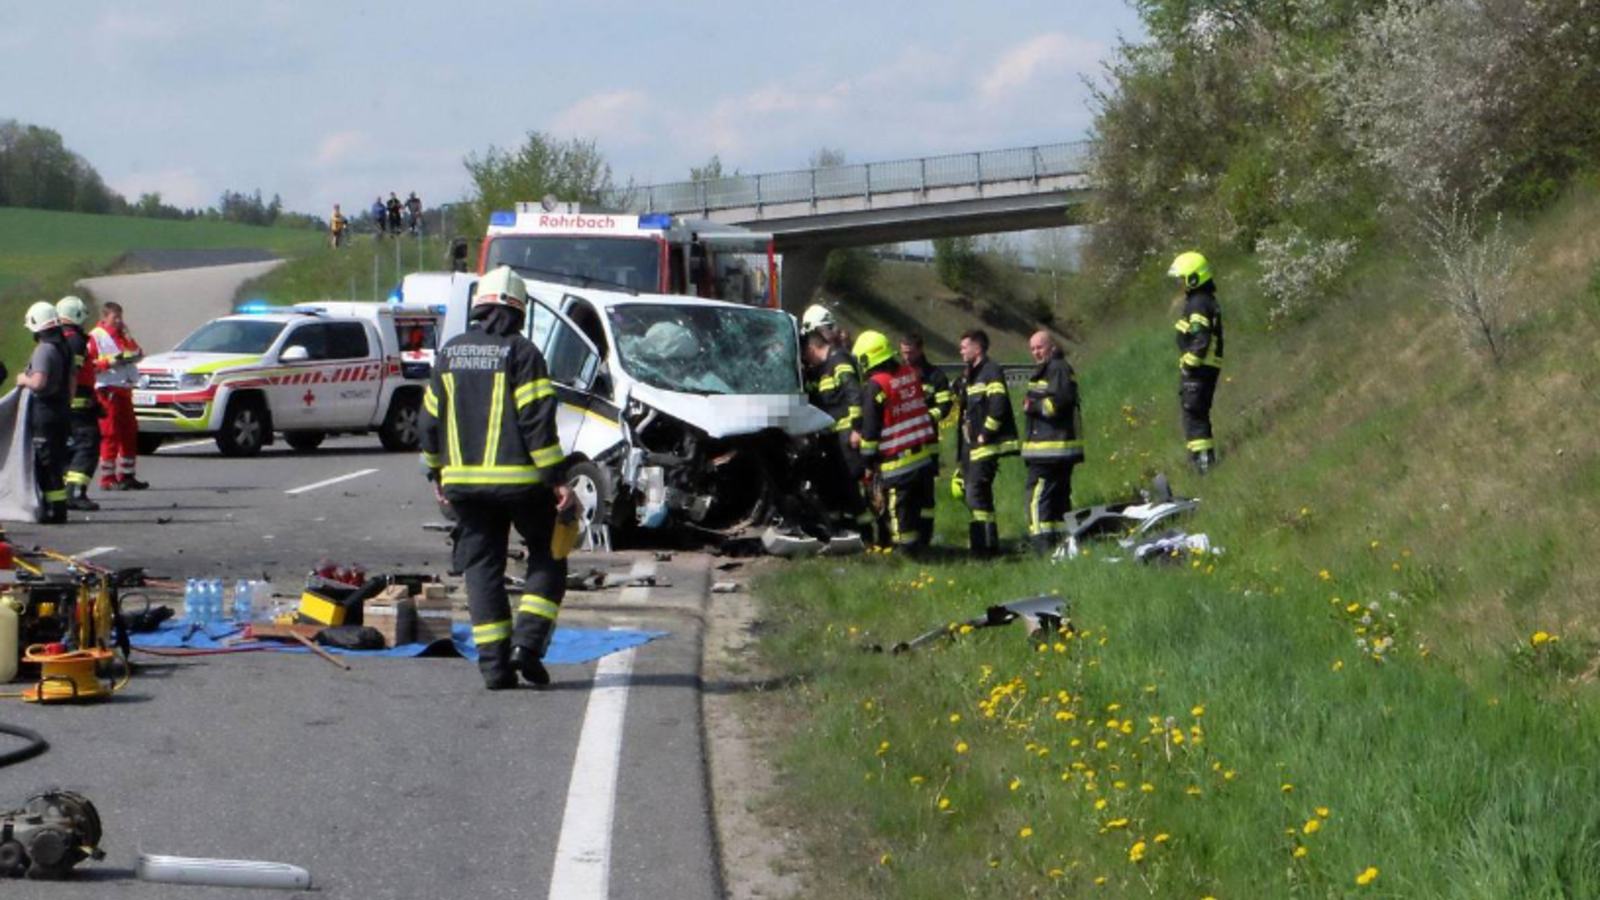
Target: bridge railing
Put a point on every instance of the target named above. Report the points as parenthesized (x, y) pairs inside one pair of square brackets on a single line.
[(860, 180)]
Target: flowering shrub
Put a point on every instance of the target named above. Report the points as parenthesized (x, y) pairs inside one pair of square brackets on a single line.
[(1297, 268)]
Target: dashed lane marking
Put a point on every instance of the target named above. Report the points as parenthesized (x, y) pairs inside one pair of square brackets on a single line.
[(583, 854), (186, 445), (330, 481)]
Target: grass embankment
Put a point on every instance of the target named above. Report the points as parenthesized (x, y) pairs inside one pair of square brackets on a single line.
[(1360, 698), (365, 269), (43, 253)]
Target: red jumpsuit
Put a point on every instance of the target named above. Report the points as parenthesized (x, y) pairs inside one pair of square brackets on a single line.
[(115, 356)]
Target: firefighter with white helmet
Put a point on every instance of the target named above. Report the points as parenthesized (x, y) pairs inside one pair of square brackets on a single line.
[(83, 440), (50, 377), (491, 450), (833, 386)]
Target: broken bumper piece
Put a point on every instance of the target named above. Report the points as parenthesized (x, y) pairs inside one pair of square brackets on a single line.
[(1044, 615)]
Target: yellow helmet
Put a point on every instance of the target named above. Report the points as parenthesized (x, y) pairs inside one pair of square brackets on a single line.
[(502, 287), (1191, 268), (871, 350), (42, 316), (71, 309)]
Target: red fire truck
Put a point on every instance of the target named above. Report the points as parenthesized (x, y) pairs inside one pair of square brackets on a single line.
[(652, 253)]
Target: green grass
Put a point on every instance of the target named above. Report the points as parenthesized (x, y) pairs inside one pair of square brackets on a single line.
[(1368, 460), (348, 273), (43, 253)]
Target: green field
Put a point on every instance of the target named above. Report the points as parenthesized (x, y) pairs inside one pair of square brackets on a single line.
[(42, 253), (365, 269), (1383, 688)]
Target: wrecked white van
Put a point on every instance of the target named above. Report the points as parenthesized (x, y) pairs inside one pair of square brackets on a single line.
[(674, 411)]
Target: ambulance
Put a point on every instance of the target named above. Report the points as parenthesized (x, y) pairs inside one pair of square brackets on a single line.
[(305, 371), (654, 253)]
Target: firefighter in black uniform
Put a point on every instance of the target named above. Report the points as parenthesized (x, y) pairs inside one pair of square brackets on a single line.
[(83, 440), (987, 433), (832, 387), (936, 393), (51, 378), (490, 446), (1053, 444), (1200, 359), (899, 440)]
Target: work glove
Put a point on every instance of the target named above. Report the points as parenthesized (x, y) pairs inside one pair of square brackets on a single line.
[(958, 486)]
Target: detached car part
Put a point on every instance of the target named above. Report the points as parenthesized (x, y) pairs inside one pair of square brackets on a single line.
[(1131, 517), (50, 834), (241, 873), (1044, 614)]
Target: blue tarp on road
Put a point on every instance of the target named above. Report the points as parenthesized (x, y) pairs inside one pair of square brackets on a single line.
[(570, 647)]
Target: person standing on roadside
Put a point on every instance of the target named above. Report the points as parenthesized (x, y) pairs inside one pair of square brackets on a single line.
[(414, 214), (1054, 441), (50, 377), (337, 226), (491, 450), (115, 356), (987, 434), (1200, 356), (392, 208), (83, 440)]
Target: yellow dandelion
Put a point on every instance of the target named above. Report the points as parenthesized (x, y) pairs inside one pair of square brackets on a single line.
[(1015, 783), (1228, 775), (1368, 876), (1322, 812), (1056, 873), (883, 748), (1192, 790), (955, 718), (965, 629), (1147, 788), (1312, 826), (917, 779), (1099, 882), (1100, 804), (1324, 575), (1300, 852), (1117, 823), (1136, 852), (1163, 838), (944, 803), (885, 859), (1338, 665), (1287, 788), (1541, 637), (961, 746)]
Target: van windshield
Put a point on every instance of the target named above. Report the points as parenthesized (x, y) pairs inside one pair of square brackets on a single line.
[(252, 336), (632, 263), (708, 349)]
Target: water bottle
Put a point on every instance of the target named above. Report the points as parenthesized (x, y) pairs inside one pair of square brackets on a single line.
[(214, 601), (241, 600), (193, 606)]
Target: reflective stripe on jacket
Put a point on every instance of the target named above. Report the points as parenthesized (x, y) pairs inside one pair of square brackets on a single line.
[(936, 391), (986, 413), (116, 358), (897, 436), (834, 388), (1200, 329), (489, 417), (1055, 426), (83, 377)]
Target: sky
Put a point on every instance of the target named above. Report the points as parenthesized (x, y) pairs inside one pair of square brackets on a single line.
[(324, 102)]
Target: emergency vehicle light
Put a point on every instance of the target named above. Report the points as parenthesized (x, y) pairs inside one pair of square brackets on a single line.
[(255, 307), (502, 217), (656, 220)]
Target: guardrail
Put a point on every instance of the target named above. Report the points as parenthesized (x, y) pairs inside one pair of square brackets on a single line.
[(861, 180)]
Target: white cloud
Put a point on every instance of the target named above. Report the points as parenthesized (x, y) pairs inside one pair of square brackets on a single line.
[(339, 147), (1047, 54), (121, 26), (615, 117), (183, 188)]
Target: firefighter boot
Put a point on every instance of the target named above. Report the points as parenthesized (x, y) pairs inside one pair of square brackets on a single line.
[(78, 499), (975, 537), (494, 665), (1042, 544), (991, 538), (527, 663), (1201, 460), (130, 483)]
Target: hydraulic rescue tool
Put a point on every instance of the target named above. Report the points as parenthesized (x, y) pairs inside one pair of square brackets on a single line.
[(50, 834)]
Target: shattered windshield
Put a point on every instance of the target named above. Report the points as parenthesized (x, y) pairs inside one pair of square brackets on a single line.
[(232, 336), (708, 349)]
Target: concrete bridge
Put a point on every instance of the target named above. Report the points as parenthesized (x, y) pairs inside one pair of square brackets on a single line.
[(813, 211)]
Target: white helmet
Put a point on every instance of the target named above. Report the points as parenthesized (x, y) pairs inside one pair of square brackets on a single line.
[(71, 309), (816, 317), (42, 316), (502, 287)]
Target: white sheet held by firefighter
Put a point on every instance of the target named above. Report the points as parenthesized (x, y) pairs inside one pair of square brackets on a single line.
[(19, 494)]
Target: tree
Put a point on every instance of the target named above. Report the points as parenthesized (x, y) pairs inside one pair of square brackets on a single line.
[(827, 158), (573, 170), (711, 171)]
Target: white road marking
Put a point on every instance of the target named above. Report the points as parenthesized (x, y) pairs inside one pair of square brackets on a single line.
[(583, 855), (93, 552), (642, 568), (323, 484), (186, 445)]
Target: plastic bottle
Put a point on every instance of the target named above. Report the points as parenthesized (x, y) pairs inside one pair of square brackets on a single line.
[(193, 606), (241, 600), (217, 607), (9, 625)]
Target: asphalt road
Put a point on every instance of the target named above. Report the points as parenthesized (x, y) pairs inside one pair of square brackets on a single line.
[(401, 778), (162, 308)]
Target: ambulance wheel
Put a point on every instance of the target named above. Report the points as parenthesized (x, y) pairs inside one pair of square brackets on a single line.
[(403, 425), (150, 443), (244, 429), (304, 441), (591, 487)]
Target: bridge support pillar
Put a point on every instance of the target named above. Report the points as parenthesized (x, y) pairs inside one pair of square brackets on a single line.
[(801, 276)]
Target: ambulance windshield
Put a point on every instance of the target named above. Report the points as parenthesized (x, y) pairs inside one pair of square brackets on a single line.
[(708, 349), (631, 263), (252, 336)]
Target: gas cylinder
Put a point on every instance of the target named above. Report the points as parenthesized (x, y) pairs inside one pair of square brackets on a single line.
[(9, 624)]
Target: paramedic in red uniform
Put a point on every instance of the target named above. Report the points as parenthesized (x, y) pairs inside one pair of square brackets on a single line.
[(115, 356)]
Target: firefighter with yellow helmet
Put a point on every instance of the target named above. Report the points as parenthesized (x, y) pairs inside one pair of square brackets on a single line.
[(899, 442), (491, 450), (1200, 355)]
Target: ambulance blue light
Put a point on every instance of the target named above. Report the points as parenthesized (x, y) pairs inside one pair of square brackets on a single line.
[(255, 307), (438, 309), (656, 220), (502, 217)]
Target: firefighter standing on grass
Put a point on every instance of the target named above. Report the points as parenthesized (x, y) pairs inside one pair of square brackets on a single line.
[(833, 387), (1054, 442), (490, 446), (937, 395), (988, 432), (899, 442), (83, 441), (1200, 359)]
